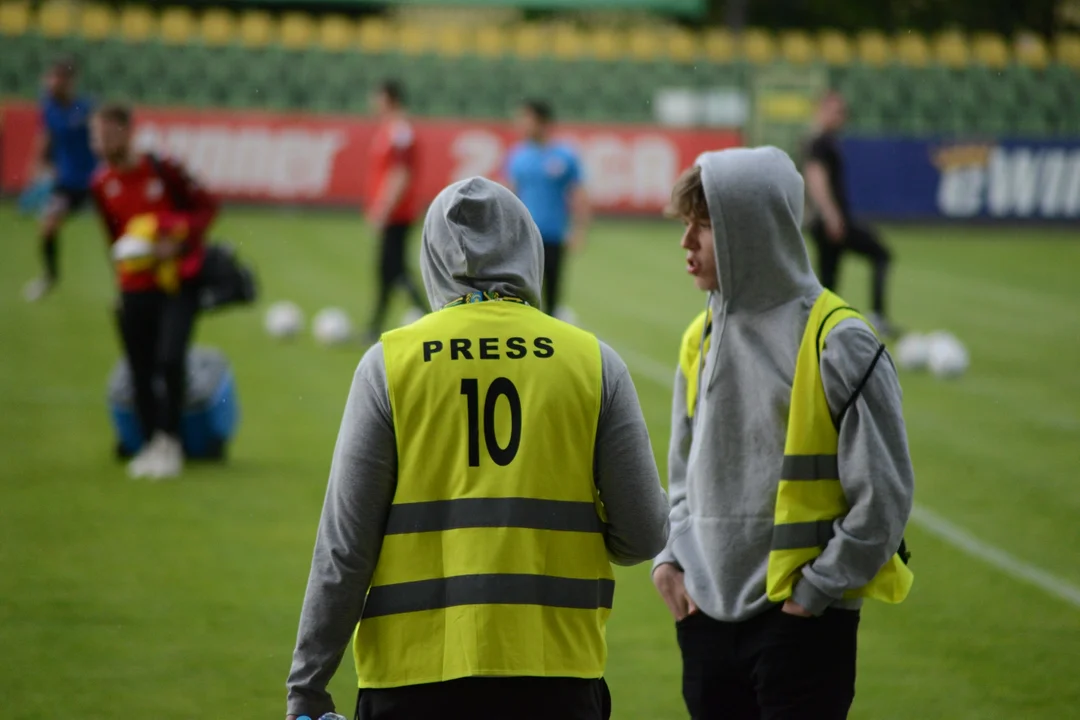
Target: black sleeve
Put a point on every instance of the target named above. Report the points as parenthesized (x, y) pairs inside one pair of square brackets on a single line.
[(820, 150)]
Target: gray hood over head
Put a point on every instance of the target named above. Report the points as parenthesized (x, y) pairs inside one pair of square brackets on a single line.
[(478, 237)]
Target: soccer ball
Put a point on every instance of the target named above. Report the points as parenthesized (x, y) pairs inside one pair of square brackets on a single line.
[(566, 314), (947, 356), (283, 320), (411, 315), (332, 326), (913, 352)]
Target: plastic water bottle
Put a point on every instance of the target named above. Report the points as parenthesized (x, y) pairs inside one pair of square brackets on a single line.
[(327, 716)]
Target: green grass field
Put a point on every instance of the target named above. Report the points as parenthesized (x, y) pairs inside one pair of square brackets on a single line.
[(180, 600)]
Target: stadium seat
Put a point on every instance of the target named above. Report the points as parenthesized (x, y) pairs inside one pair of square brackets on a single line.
[(137, 23), (257, 29), (56, 19), (950, 49), (758, 46), (375, 35), (567, 43), (682, 45), (529, 41), (452, 40), (990, 50), (177, 26), (606, 44), (14, 18), (835, 47), (797, 47), (874, 48), (644, 44), (1067, 49), (97, 22), (719, 46), (491, 41), (296, 31), (1030, 50), (912, 49), (336, 33), (217, 27)]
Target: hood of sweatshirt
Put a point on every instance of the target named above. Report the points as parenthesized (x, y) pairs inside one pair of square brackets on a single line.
[(478, 237)]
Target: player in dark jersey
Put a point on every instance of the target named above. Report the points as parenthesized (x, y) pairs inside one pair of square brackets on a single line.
[(156, 218), (833, 228), (63, 146)]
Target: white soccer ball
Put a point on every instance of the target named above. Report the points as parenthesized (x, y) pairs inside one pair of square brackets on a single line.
[(566, 314), (411, 315), (913, 352), (283, 320), (948, 357), (332, 326)]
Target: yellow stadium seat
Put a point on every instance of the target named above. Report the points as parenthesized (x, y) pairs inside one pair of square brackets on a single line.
[(529, 41), (336, 33), (297, 31), (645, 44), (491, 41), (951, 49), (990, 50), (682, 45), (97, 22), (257, 29), (177, 26), (452, 40), (217, 27), (912, 49), (835, 47), (14, 18), (797, 47), (1030, 50), (606, 44), (1067, 49), (567, 43), (56, 18), (874, 48), (758, 46), (137, 23), (376, 35), (719, 46)]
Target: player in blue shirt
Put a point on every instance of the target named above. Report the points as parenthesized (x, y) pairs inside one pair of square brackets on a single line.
[(63, 146), (547, 176)]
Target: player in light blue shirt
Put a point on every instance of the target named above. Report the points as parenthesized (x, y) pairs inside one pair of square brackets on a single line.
[(547, 176), (63, 146)]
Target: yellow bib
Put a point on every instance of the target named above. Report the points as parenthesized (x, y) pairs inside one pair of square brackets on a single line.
[(810, 496), (493, 561), (695, 346)]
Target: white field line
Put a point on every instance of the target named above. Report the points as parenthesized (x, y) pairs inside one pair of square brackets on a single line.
[(926, 519)]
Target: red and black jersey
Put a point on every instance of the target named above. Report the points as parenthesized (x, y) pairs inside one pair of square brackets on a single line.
[(183, 208), (394, 145)]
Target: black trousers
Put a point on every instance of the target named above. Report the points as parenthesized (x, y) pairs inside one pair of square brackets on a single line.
[(156, 330), (490, 698), (861, 240), (772, 667), (553, 265), (393, 271)]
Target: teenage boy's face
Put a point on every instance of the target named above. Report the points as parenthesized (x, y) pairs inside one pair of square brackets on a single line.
[(697, 241)]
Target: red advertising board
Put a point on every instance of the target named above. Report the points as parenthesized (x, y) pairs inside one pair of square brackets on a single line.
[(312, 159)]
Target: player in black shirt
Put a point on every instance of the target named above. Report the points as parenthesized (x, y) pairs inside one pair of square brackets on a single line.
[(833, 228)]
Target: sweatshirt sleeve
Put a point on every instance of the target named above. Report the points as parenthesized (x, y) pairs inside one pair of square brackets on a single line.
[(625, 470), (874, 463), (678, 454), (358, 497)]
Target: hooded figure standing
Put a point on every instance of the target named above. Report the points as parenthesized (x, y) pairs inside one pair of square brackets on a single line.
[(789, 471), (491, 464)]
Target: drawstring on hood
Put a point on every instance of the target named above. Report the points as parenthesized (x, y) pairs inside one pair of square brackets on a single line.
[(755, 199), (479, 237)]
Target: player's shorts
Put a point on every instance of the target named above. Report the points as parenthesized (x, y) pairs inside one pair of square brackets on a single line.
[(66, 200)]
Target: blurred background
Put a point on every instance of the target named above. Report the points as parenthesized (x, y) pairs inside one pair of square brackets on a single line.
[(180, 600)]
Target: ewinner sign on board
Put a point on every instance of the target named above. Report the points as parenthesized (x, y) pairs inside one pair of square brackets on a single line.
[(1007, 180), (311, 159)]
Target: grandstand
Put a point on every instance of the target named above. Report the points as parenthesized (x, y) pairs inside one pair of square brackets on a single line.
[(905, 84)]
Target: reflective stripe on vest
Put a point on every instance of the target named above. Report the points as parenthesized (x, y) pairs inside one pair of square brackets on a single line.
[(810, 498), (493, 560)]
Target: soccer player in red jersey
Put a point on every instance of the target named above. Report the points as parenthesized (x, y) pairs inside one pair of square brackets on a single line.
[(156, 218), (392, 198)]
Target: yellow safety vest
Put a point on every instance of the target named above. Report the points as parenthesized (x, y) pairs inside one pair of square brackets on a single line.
[(695, 345), (810, 496), (493, 561)]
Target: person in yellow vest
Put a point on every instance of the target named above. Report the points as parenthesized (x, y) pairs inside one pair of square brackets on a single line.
[(491, 464), (789, 472)]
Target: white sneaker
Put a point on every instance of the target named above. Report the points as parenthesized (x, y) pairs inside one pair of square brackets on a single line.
[(37, 288), (168, 458), (140, 465)]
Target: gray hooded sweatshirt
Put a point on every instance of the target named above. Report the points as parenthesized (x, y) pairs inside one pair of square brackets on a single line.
[(477, 237), (724, 464)]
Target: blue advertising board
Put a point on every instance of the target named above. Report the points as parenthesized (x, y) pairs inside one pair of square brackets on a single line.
[(941, 179)]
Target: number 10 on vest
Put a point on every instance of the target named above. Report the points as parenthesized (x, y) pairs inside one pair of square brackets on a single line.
[(500, 387)]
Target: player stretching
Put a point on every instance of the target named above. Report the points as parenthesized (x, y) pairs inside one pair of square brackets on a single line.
[(833, 228), (393, 203), (152, 203), (547, 177), (64, 145)]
